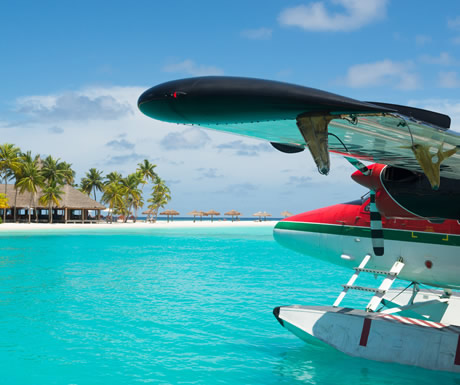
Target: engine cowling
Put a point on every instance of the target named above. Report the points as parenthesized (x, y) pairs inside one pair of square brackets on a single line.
[(405, 194)]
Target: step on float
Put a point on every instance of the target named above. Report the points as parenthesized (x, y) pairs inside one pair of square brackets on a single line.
[(413, 327)]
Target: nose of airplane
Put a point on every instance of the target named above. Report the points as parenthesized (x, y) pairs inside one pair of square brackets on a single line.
[(371, 181)]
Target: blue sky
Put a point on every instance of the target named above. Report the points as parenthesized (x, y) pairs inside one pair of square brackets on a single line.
[(71, 73)]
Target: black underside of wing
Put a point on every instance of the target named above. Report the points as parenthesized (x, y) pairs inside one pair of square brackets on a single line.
[(435, 118)]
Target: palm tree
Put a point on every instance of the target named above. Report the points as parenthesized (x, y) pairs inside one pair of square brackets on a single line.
[(146, 169), (30, 180), (26, 157), (133, 195), (52, 195), (10, 162), (53, 172), (113, 177), (68, 175), (92, 182), (114, 196), (161, 195), (147, 172)]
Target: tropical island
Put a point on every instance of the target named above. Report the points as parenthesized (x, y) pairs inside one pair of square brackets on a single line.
[(44, 190)]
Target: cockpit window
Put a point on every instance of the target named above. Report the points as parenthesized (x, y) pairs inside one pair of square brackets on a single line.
[(365, 197), (367, 208)]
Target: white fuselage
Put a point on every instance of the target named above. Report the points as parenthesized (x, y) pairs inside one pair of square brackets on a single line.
[(428, 263)]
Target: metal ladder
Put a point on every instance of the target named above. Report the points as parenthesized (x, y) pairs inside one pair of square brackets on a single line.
[(390, 276)]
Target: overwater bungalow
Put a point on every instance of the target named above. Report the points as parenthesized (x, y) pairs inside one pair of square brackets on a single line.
[(74, 207)]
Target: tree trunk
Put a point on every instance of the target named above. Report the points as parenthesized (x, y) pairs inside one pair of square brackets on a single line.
[(50, 213), (4, 210), (30, 207), (15, 201)]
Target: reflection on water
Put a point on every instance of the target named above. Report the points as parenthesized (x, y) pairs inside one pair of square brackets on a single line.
[(309, 364)]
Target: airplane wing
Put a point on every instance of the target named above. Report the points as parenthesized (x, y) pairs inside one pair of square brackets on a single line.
[(293, 117)]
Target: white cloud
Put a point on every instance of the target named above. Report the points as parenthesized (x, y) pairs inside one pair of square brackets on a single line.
[(189, 67), (210, 173), (443, 59), (317, 17), (55, 130), (120, 144), (241, 148), (125, 158), (257, 34), (454, 23), (190, 138), (300, 181), (383, 73), (72, 106), (449, 79), (239, 189), (421, 40)]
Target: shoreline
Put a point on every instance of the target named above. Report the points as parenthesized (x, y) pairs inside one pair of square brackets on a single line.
[(12, 227)]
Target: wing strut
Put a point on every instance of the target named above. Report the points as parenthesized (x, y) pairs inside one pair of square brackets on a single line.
[(431, 163), (314, 130)]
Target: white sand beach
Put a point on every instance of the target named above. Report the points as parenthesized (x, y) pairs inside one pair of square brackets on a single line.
[(130, 225)]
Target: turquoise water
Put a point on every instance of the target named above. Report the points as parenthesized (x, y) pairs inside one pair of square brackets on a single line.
[(181, 306)]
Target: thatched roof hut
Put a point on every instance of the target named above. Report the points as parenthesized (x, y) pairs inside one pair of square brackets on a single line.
[(72, 199)]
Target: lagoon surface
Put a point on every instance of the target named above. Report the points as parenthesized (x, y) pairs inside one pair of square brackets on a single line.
[(169, 306)]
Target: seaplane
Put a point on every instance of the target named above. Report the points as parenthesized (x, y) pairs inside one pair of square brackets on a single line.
[(406, 228)]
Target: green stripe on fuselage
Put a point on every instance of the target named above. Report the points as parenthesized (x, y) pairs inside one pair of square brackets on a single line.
[(365, 232)]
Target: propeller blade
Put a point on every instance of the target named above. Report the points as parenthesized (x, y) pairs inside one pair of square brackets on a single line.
[(376, 227), (358, 165), (376, 218)]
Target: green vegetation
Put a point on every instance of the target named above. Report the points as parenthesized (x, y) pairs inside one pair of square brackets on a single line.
[(3, 202), (160, 196), (123, 195)]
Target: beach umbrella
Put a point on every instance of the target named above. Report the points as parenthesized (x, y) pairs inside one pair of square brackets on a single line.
[(233, 213), (148, 212), (174, 212), (258, 214), (169, 213), (202, 214), (286, 214), (265, 215), (212, 213), (194, 213)]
